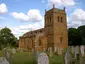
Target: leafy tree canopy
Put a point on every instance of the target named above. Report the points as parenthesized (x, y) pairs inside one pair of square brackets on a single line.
[(7, 38), (74, 36)]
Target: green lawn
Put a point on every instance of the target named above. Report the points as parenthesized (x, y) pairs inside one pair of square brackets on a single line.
[(55, 59), (29, 58), (23, 58)]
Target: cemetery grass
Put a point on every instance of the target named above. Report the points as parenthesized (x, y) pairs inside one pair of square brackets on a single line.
[(28, 58), (55, 59), (23, 58)]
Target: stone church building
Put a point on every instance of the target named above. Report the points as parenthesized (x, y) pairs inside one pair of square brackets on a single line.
[(54, 34)]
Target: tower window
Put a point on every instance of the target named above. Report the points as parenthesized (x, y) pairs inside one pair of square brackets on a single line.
[(61, 19), (50, 18), (58, 18)]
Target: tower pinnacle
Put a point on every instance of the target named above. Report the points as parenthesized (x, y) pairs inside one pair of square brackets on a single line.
[(53, 5)]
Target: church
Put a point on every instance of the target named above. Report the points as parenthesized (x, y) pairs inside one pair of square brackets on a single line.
[(53, 35)]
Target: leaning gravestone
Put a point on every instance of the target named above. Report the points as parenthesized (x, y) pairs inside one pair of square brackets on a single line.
[(82, 50), (9, 57), (3, 60), (43, 58), (68, 58)]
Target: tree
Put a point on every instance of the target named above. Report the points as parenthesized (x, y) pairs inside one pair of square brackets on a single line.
[(7, 38), (82, 32), (74, 36)]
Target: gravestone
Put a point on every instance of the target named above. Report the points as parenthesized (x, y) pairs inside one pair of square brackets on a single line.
[(36, 55), (44, 49), (13, 51), (32, 50), (60, 51), (77, 58), (68, 58), (43, 58), (9, 57), (50, 51), (73, 49), (21, 50), (55, 49), (3, 60), (82, 50), (76, 50), (5, 52)]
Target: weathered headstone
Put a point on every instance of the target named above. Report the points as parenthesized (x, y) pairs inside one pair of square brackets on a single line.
[(68, 58), (21, 50), (5, 52), (9, 57), (77, 58), (60, 51), (44, 49), (48, 49), (3, 60), (82, 50), (36, 55), (73, 49), (13, 51), (50, 52), (32, 50), (76, 51), (55, 49), (43, 58)]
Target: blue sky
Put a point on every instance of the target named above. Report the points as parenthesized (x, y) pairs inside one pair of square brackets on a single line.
[(25, 15)]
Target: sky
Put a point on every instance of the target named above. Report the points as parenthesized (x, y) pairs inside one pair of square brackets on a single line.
[(22, 16)]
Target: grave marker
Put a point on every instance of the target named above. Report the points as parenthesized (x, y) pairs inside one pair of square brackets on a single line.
[(68, 58), (73, 49), (82, 50), (76, 50), (43, 58), (3, 60), (13, 51), (60, 51)]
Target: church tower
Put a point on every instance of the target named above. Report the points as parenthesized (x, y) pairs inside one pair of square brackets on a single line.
[(56, 28)]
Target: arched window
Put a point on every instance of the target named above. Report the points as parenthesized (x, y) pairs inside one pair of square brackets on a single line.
[(61, 19), (58, 18), (50, 19)]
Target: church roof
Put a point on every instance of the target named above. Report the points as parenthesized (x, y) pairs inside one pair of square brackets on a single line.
[(33, 33)]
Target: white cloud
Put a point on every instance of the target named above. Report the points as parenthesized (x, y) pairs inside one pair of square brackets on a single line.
[(32, 15), (61, 2), (77, 18), (3, 8), (78, 15), (20, 16), (20, 30)]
